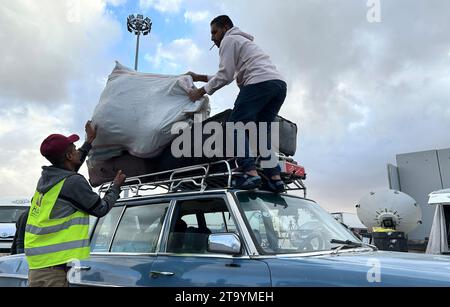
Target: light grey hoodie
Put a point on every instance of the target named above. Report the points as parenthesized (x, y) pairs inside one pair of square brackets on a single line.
[(243, 60)]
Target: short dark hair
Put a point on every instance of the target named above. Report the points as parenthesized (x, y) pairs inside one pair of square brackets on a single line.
[(222, 21), (58, 161)]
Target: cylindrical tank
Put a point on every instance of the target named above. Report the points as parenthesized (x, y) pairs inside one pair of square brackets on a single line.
[(389, 206)]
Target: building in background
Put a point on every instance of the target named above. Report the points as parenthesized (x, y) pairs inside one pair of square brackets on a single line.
[(419, 174)]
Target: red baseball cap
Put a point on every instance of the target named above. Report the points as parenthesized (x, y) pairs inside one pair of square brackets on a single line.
[(57, 144)]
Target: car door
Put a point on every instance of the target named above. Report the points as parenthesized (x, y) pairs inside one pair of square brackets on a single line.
[(184, 260), (123, 247), (13, 271)]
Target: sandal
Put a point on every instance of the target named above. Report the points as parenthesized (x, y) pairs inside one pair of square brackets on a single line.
[(247, 182), (275, 186)]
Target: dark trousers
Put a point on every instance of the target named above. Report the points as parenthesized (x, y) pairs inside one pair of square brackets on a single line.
[(258, 103)]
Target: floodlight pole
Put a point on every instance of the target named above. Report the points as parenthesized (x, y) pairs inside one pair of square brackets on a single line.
[(138, 25), (137, 53)]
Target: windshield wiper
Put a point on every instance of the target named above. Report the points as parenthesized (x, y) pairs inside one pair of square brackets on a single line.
[(347, 244)]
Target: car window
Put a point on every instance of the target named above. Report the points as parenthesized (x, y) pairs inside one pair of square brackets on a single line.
[(190, 220), (287, 225), (194, 221), (139, 229), (105, 230), (11, 214), (220, 222), (92, 221)]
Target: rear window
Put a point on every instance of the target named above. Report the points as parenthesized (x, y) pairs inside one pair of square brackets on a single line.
[(139, 229), (11, 214), (105, 230)]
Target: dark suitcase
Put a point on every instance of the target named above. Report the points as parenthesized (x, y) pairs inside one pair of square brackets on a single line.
[(288, 132), (288, 136)]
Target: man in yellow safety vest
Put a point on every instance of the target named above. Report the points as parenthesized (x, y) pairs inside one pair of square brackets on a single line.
[(57, 230)]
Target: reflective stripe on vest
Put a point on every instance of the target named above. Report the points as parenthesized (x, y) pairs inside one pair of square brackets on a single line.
[(52, 229), (56, 248), (50, 242)]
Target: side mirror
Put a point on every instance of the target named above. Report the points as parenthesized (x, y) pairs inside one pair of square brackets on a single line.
[(224, 243)]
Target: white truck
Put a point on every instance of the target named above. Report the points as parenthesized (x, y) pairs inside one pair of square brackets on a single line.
[(10, 211), (439, 242)]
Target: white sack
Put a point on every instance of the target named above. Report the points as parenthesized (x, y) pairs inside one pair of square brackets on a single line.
[(137, 110)]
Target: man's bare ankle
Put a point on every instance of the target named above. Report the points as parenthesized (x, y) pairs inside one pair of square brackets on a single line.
[(252, 173)]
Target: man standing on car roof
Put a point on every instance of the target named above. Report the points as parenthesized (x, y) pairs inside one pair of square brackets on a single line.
[(57, 230), (262, 91)]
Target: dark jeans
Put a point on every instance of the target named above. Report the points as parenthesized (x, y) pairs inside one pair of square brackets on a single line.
[(257, 103)]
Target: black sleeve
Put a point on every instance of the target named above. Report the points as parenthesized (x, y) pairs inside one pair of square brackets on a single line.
[(14, 244), (78, 192), (20, 248), (18, 245)]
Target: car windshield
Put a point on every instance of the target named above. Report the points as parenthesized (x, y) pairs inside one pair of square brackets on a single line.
[(10, 214), (282, 224)]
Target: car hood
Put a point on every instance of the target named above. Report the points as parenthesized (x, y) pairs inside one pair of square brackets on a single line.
[(418, 263), (7, 230), (375, 268)]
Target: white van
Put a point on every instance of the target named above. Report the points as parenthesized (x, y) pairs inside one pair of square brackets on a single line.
[(10, 211), (439, 242)]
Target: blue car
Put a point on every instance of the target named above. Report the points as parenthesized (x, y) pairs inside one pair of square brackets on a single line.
[(229, 238)]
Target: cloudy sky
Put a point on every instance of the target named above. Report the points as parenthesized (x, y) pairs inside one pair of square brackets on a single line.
[(367, 79)]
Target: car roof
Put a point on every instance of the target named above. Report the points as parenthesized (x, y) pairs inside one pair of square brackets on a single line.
[(177, 195), (170, 196), (15, 202), (439, 197)]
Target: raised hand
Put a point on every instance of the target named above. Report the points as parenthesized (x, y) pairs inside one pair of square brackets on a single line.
[(196, 94), (91, 132), (120, 179)]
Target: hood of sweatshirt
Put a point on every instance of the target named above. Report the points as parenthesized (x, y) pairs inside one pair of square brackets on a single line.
[(237, 31), (51, 176)]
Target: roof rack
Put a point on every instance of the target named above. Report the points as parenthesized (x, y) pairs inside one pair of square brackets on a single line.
[(203, 177)]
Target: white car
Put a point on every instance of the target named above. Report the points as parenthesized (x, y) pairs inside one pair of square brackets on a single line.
[(10, 211)]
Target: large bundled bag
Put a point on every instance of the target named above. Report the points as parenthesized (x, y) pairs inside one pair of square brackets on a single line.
[(136, 113)]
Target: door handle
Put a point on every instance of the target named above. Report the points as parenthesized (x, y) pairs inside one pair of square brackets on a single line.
[(155, 274), (81, 268)]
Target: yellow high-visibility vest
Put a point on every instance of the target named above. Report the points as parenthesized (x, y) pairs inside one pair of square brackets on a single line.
[(50, 242)]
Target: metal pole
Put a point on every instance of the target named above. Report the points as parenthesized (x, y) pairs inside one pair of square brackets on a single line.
[(137, 53)]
